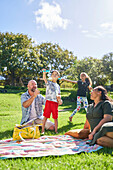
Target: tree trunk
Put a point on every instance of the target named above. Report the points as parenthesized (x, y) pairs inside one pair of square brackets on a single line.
[(21, 82), (13, 83)]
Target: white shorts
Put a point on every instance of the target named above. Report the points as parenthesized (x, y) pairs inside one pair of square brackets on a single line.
[(47, 125)]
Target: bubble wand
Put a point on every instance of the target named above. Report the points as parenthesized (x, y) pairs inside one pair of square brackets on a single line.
[(47, 71)]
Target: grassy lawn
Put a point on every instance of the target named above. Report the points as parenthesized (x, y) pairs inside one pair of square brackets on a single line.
[(10, 114)]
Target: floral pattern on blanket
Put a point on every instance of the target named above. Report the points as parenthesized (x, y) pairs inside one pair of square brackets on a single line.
[(44, 146)]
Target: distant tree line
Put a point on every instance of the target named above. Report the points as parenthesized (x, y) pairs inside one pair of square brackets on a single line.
[(21, 60)]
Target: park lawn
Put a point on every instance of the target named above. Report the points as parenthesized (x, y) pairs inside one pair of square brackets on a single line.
[(10, 114)]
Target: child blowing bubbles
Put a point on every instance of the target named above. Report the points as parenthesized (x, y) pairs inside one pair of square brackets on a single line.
[(53, 98)]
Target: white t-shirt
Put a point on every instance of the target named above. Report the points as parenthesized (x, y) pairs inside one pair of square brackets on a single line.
[(33, 111), (52, 91)]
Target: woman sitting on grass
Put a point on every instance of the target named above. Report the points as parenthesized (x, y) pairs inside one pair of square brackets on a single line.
[(99, 119)]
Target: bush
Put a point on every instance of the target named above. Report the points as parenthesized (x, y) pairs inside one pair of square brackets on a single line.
[(66, 85), (42, 91), (73, 95), (14, 87)]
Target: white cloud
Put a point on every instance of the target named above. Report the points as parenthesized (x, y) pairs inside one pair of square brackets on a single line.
[(84, 31), (30, 1), (103, 30), (108, 27), (80, 26), (50, 16)]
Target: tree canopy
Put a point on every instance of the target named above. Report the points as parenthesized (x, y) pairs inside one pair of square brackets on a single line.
[(24, 60), (21, 59)]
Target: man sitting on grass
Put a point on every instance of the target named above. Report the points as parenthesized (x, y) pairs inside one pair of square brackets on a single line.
[(32, 106)]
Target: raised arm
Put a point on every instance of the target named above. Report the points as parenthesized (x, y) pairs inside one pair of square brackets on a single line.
[(28, 102), (44, 75), (90, 88), (75, 82)]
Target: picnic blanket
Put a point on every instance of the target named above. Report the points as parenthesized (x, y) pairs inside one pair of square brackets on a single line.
[(44, 146)]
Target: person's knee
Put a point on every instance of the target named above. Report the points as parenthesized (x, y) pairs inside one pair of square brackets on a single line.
[(99, 141), (52, 127), (105, 141), (78, 107)]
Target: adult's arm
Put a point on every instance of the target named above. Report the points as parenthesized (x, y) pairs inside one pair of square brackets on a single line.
[(28, 102), (107, 118)]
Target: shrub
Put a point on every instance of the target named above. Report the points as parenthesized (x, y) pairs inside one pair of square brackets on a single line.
[(15, 87)]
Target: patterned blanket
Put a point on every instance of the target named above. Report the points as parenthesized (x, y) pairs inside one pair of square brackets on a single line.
[(44, 146)]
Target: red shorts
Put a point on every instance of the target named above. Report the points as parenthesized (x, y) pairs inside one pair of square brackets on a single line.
[(51, 106)]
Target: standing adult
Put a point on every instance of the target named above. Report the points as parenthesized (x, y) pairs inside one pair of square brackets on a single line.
[(32, 106)]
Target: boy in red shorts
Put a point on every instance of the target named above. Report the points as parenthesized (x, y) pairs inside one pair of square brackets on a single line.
[(53, 98)]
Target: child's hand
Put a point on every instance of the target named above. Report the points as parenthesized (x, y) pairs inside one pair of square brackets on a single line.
[(60, 101), (44, 70), (44, 75), (90, 88)]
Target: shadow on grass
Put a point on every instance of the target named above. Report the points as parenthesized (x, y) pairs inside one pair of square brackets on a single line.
[(4, 114), (6, 134), (68, 127), (105, 150)]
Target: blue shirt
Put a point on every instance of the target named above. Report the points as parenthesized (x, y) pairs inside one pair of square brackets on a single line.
[(39, 102)]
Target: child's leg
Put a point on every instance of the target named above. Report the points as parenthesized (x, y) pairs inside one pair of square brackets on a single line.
[(56, 125), (78, 107), (85, 103), (46, 114), (43, 125), (54, 108)]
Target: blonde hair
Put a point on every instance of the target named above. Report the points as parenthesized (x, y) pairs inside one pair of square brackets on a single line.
[(86, 75)]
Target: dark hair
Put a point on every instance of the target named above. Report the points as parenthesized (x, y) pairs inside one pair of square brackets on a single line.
[(104, 95)]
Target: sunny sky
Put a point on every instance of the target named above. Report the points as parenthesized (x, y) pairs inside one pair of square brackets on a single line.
[(84, 27)]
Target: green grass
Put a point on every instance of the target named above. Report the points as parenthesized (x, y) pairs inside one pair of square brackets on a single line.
[(10, 114)]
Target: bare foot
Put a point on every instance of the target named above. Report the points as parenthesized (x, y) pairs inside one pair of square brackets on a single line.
[(56, 132), (70, 119)]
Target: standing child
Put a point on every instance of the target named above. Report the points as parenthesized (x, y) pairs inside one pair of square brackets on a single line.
[(83, 85), (53, 98)]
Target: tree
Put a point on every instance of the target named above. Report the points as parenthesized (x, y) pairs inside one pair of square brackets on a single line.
[(107, 62), (93, 67), (53, 57), (19, 56)]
